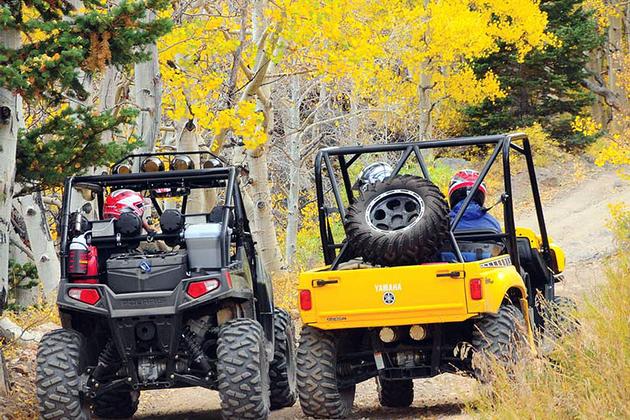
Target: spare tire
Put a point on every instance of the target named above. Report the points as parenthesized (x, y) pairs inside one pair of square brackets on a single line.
[(400, 221)]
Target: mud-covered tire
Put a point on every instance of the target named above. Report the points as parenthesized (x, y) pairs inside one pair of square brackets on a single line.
[(60, 361), (395, 393), (116, 404), (498, 338), (400, 221), (317, 376), (560, 317), (243, 370), (282, 369)]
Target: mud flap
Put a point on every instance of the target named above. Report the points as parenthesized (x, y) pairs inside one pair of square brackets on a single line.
[(528, 314)]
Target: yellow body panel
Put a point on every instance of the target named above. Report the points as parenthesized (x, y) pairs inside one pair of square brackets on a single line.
[(422, 294), (536, 242)]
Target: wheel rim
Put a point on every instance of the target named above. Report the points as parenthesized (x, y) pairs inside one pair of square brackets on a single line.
[(394, 211)]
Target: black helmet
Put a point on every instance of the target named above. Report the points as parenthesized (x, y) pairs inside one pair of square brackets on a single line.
[(375, 172)]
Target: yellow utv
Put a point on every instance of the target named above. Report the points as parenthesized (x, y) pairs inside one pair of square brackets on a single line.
[(405, 294)]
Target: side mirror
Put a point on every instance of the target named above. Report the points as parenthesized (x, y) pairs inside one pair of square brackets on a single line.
[(87, 208)]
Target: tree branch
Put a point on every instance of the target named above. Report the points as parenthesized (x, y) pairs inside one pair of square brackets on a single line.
[(598, 88)]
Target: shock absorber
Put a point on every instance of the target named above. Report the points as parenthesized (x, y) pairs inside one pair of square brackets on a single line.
[(189, 339), (108, 361)]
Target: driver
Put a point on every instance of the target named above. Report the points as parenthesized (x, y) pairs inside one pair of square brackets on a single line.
[(475, 217), (122, 201)]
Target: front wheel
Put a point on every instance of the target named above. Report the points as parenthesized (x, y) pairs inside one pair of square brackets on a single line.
[(560, 317), (318, 376), (282, 368), (243, 370), (61, 360)]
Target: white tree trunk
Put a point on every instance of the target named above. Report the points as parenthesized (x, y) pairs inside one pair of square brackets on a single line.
[(43, 248), (265, 228), (616, 55), (199, 200), (23, 296), (4, 376), (292, 123), (10, 116), (259, 189), (424, 93), (148, 96)]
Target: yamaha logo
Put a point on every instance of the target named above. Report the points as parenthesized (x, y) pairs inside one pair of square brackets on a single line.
[(389, 298), (145, 266)]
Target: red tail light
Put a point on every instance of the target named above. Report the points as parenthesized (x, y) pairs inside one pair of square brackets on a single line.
[(197, 289), (475, 289), (89, 296), (78, 261), (306, 303), (83, 265)]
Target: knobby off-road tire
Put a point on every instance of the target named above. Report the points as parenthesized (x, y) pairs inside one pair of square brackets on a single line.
[(559, 316), (60, 361), (116, 404), (282, 369), (243, 370), (400, 221), (317, 376), (395, 393), (498, 339)]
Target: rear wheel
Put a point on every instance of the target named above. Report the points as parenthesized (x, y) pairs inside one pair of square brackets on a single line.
[(243, 370), (318, 376), (61, 360), (395, 393), (282, 368), (116, 404), (498, 338)]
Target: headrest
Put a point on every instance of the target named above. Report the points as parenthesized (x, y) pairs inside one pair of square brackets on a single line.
[(171, 221)]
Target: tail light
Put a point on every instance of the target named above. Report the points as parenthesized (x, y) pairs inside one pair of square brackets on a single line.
[(197, 289), (78, 262), (306, 303), (83, 265), (89, 296), (475, 289)]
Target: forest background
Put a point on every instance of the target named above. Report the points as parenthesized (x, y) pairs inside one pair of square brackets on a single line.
[(266, 84)]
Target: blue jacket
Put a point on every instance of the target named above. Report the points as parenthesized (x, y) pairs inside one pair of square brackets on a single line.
[(475, 217)]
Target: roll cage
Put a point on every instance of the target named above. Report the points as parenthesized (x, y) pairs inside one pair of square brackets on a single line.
[(182, 180), (337, 252)]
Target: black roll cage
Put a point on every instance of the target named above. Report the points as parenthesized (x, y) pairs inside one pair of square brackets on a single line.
[(503, 145), (176, 179)]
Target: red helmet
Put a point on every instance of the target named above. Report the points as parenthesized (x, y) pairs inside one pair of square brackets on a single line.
[(122, 201), (461, 183)]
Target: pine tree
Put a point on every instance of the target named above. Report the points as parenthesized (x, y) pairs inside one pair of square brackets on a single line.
[(547, 86), (62, 45)]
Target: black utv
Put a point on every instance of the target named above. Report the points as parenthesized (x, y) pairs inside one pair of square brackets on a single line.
[(178, 301)]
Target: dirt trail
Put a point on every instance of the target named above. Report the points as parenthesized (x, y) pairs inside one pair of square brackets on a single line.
[(576, 217), (576, 220)]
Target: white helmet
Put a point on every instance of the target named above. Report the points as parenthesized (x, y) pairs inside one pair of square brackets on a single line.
[(375, 172)]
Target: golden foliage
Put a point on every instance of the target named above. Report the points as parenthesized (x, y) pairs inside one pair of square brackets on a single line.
[(100, 54)]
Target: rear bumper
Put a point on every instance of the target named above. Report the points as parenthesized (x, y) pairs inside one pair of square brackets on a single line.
[(387, 317), (158, 303)]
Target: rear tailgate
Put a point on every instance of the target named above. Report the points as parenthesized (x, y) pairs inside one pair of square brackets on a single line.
[(385, 296)]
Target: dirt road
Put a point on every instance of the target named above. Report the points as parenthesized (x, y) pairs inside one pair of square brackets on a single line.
[(576, 219)]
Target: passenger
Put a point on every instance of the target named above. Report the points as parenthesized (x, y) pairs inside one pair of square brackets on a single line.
[(122, 201), (375, 172), (475, 217)]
